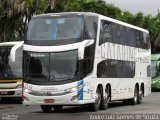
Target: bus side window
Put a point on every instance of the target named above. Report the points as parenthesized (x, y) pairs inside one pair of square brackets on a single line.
[(107, 69), (146, 40), (105, 32), (114, 33), (115, 69), (121, 35), (131, 37), (90, 27), (102, 70), (139, 37), (149, 71)]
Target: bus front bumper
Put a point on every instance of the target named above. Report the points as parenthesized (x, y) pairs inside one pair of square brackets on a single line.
[(11, 92), (68, 99)]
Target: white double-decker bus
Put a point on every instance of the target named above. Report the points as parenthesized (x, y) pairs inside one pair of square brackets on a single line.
[(84, 58), (10, 70)]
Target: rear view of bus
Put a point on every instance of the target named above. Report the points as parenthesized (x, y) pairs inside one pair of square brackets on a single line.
[(10, 70)]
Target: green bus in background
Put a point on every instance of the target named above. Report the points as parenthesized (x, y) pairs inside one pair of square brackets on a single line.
[(155, 68)]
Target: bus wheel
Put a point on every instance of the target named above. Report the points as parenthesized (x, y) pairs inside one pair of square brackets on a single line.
[(140, 96), (46, 108), (57, 108), (105, 100), (96, 105), (134, 100)]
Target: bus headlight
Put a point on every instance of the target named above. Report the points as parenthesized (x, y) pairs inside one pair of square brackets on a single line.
[(27, 90), (74, 89), (70, 90)]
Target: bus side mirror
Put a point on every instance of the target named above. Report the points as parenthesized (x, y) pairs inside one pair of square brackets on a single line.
[(13, 51), (82, 46)]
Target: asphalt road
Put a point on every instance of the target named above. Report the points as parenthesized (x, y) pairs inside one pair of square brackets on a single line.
[(149, 109)]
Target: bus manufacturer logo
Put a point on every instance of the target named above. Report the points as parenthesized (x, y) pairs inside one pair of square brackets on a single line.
[(49, 89), (37, 55)]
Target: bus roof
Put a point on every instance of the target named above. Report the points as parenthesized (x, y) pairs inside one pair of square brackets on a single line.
[(11, 43), (155, 56), (92, 14)]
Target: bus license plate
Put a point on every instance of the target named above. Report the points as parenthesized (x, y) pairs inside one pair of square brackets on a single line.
[(3, 92), (48, 100)]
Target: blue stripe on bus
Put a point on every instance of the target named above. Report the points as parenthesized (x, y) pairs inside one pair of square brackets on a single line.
[(53, 30), (80, 91)]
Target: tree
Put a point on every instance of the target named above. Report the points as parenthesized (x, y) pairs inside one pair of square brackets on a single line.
[(14, 14), (127, 17)]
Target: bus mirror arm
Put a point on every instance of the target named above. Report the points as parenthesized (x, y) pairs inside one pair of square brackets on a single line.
[(82, 46)]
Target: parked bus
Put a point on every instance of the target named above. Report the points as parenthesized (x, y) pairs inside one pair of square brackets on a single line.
[(79, 58), (155, 65), (10, 70)]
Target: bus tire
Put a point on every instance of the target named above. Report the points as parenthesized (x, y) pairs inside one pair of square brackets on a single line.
[(134, 100), (46, 108), (140, 96), (57, 108), (96, 105), (105, 101), (126, 102)]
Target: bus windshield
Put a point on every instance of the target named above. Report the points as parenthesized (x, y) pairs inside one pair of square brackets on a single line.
[(4, 59), (155, 73), (10, 69), (51, 67), (55, 28)]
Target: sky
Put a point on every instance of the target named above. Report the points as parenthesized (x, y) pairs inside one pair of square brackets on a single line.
[(134, 6)]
